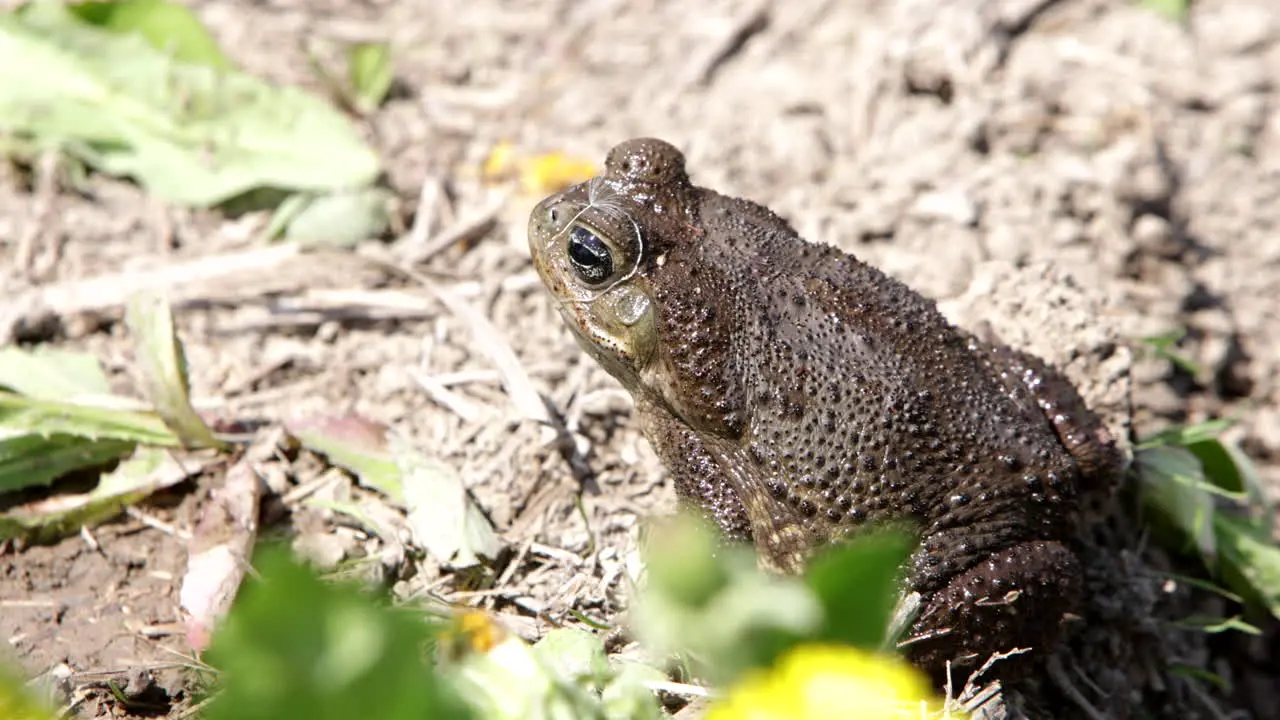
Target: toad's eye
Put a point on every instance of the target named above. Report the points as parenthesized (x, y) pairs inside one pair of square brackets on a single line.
[(590, 257)]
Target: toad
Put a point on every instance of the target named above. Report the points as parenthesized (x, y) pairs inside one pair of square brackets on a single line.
[(796, 394)]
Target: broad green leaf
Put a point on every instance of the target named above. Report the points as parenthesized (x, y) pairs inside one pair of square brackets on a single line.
[(30, 416), (341, 219), (1174, 489), (297, 648), (1250, 560), (574, 654), (565, 675), (168, 26), (715, 605), (443, 517), (355, 443), (513, 681), (1227, 470), (865, 574), (1219, 466), (163, 365), (369, 74), (444, 520), (147, 472), (51, 373), (190, 133), (31, 460), (628, 696), (684, 562)]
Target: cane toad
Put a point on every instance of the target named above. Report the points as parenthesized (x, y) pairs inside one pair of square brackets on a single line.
[(796, 393)]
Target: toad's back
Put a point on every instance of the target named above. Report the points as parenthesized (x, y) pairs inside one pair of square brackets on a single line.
[(856, 399)]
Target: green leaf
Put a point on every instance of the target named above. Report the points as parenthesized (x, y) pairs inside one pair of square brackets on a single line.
[(1251, 483), (52, 374), (296, 648), (627, 696), (1187, 435), (369, 73), (341, 219), (1215, 625), (17, 701), (21, 415), (444, 519), (1219, 466), (1206, 585), (1162, 345), (1195, 673), (163, 365), (1250, 560), (1173, 488), (32, 460), (858, 585), (285, 212), (713, 603), (574, 654), (168, 26), (355, 443), (1175, 10), (190, 133), (512, 682), (609, 691), (684, 563), (147, 472)]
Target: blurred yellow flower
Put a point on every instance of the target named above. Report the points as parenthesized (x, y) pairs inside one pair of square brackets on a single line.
[(538, 175), (831, 681), (554, 172), (480, 631), (501, 161), (468, 633)]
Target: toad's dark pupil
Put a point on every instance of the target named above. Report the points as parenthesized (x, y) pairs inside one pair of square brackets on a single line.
[(589, 255)]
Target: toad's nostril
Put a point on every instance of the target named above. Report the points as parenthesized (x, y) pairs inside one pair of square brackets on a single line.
[(553, 214)]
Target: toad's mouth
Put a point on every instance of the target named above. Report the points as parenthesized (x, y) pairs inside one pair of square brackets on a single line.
[(616, 329)]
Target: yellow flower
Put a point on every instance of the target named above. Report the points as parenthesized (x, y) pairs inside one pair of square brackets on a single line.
[(501, 161), (469, 633), (538, 175), (831, 681), (554, 172), (480, 631)]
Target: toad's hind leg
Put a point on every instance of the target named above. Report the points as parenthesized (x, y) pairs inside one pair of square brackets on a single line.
[(1080, 431), (1015, 599)]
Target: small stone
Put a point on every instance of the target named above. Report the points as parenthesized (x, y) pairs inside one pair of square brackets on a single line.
[(954, 206), (1152, 231)]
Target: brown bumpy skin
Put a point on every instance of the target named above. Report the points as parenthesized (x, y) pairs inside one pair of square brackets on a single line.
[(796, 394)]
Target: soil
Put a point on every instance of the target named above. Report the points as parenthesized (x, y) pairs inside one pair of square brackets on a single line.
[(1080, 174)]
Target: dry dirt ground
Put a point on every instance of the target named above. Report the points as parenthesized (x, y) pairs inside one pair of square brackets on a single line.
[(1138, 155)]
